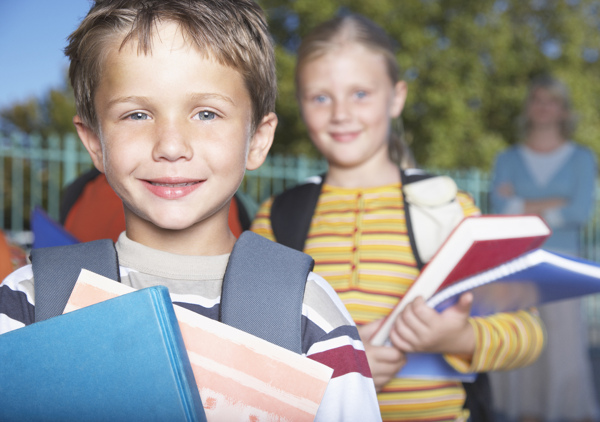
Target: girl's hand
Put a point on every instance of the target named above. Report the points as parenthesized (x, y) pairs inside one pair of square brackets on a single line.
[(420, 328), (384, 361), (541, 205)]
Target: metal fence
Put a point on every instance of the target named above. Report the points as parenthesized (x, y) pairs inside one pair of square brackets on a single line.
[(33, 172)]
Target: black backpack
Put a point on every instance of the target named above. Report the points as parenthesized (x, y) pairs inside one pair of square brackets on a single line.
[(291, 215), (262, 294)]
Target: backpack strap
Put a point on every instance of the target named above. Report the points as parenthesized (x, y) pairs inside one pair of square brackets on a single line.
[(292, 212), (408, 176), (263, 290), (56, 269), (406, 179)]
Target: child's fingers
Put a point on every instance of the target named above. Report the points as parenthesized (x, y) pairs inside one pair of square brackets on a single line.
[(423, 313), (405, 333), (384, 362), (367, 331), (463, 305), (402, 340)]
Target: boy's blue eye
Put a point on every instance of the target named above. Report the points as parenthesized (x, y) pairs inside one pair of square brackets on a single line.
[(139, 116), (361, 94), (320, 98), (206, 115)]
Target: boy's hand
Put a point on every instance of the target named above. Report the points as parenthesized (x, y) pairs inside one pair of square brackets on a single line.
[(420, 328), (384, 361)]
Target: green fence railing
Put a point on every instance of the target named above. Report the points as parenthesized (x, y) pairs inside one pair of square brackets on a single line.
[(33, 172)]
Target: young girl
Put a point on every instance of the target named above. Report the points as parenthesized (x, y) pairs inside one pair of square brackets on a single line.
[(550, 175), (349, 92)]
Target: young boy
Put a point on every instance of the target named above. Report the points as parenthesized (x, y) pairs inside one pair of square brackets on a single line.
[(175, 100)]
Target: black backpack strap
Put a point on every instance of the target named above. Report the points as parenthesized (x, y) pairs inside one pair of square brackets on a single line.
[(247, 209), (409, 228), (407, 177), (263, 290), (73, 191), (56, 269), (478, 393), (292, 212)]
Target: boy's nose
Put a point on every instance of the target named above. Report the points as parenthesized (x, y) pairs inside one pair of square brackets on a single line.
[(172, 144)]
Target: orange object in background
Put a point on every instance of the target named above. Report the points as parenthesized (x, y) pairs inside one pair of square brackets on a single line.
[(97, 213), (6, 265), (11, 257)]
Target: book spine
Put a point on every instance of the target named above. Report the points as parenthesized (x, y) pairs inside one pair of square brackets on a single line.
[(186, 382)]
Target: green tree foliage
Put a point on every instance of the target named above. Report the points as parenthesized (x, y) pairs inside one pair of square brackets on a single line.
[(467, 64), (52, 114)]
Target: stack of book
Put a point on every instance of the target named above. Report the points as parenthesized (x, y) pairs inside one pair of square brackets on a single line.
[(497, 258)]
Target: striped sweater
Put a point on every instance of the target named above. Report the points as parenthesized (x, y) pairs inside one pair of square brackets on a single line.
[(328, 333), (359, 241)]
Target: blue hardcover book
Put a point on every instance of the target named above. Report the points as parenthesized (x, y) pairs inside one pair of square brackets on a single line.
[(533, 279), (119, 360)]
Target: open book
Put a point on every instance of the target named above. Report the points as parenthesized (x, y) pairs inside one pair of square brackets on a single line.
[(239, 376), (475, 245), (515, 274), (535, 278)]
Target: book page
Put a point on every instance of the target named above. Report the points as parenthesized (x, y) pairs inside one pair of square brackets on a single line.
[(239, 376)]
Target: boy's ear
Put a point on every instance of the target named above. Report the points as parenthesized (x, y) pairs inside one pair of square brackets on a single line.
[(261, 141), (400, 92), (91, 142)]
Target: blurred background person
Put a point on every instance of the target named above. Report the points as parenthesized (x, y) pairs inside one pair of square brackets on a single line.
[(548, 174)]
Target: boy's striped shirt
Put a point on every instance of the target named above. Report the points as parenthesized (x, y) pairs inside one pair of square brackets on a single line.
[(328, 333)]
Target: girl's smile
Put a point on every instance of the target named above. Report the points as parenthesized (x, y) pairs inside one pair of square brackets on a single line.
[(344, 136), (348, 101)]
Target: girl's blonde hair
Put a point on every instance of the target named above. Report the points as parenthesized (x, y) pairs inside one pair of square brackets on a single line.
[(560, 91), (356, 29)]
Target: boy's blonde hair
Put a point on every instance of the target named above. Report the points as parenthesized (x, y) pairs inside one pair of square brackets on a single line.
[(232, 32), (356, 29), (559, 91)]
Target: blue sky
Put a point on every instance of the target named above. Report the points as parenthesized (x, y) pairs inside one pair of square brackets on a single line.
[(32, 36)]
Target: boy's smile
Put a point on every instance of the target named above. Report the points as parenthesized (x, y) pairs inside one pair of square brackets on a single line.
[(172, 188), (175, 137)]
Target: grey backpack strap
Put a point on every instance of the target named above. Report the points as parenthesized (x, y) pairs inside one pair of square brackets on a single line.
[(56, 269), (263, 290)]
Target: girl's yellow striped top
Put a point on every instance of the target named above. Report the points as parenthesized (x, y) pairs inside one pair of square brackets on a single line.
[(360, 245)]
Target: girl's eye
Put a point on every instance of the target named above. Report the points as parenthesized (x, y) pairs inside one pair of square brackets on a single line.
[(139, 116), (320, 99), (360, 94), (206, 115)]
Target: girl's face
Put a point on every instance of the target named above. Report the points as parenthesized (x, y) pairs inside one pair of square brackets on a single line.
[(545, 108), (347, 101)]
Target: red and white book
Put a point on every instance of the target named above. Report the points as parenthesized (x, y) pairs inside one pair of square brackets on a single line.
[(239, 376), (477, 244)]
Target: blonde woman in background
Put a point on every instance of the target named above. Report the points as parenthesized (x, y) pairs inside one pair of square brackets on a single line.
[(549, 175)]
